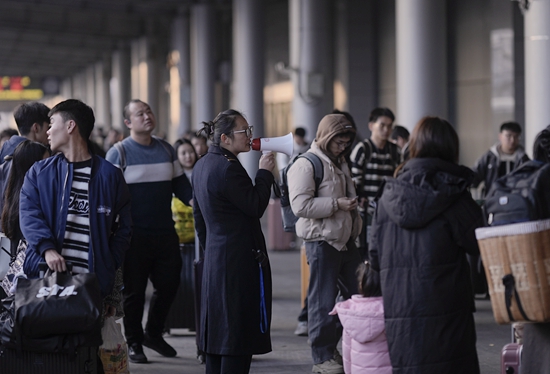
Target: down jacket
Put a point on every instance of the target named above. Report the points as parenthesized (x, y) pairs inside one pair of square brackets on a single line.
[(423, 227), (364, 344)]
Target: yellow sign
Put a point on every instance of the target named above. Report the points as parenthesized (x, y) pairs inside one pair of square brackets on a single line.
[(15, 88)]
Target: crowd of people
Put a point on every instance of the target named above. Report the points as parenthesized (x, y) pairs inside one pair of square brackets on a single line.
[(388, 233)]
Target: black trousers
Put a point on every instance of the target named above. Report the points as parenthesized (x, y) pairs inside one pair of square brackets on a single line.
[(154, 257), (216, 364)]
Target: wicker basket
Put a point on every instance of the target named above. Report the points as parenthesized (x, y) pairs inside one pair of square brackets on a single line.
[(519, 253)]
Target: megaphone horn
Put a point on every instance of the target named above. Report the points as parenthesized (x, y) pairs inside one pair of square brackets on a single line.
[(284, 144)]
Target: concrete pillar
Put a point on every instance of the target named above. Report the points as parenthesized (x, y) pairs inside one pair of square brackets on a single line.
[(102, 93), (90, 86), (537, 72), (203, 64), (66, 89), (120, 85), (181, 58), (311, 59), (79, 86), (421, 60), (248, 70)]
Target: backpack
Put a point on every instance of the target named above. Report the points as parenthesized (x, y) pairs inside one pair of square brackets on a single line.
[(519, 196), (289, 219)]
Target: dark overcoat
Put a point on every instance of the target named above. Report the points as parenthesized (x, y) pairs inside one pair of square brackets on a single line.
[(422, 229), (227, 211)]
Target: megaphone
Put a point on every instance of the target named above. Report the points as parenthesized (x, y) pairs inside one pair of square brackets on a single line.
[(284, 144)]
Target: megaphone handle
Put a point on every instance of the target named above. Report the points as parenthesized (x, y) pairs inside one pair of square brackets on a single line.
[(275, 168)]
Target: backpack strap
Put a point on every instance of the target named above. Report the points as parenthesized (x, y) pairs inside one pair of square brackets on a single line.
[(122, 154), (318, 171)]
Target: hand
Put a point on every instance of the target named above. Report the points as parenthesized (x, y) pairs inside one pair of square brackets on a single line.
[(55, 261), (267, 161), (347, 204), (109, 311)]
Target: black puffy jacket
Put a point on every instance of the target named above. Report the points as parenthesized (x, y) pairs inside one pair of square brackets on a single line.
[(422, 229)]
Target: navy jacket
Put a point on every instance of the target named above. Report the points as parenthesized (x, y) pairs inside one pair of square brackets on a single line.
[(43, 215)]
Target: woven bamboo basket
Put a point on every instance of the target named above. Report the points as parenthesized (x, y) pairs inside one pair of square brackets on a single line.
[(522, 250)]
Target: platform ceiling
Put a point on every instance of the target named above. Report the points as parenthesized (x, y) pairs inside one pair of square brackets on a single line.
[(43, 38)]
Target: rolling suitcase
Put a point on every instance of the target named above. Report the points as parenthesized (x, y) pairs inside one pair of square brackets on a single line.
[(510, 359), (182, 311), (83, 361)]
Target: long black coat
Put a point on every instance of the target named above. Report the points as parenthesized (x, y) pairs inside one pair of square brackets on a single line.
[(227, 211), (423, 227)]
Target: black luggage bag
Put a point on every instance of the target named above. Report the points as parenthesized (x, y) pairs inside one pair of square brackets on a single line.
[(182, 311), (83, 361)]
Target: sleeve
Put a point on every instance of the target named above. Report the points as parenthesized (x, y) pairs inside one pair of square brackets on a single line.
[(357, 158), (113, 157), (464, 217), (119, 242), (301, 191), (373, 246), (32, 220), (480, 170), (251, 199), (200, 225)]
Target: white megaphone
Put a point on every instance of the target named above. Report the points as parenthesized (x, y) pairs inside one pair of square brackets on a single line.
[(284, 144)]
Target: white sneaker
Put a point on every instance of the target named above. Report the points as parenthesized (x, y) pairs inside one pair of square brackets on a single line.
[(301, 329), (328, 367), (338, 357)]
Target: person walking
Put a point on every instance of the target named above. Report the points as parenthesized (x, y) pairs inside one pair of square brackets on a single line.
[(235, 311), (329, 224), (423, 227)]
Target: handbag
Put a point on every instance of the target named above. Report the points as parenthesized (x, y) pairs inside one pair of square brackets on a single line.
[(58, 304), (114, 351)]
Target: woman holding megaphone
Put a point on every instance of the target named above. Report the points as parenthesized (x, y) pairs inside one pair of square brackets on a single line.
[(235, 310)]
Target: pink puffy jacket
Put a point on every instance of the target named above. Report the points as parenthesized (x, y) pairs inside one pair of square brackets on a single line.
[(364, 344)]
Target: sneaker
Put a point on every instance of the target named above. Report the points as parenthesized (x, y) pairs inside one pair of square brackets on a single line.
[(301, 329), (328, 367), (338, 357), (136, 355), (159, 345)]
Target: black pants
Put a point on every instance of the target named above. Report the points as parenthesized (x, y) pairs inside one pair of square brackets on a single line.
[(154, 257), (216, 364)]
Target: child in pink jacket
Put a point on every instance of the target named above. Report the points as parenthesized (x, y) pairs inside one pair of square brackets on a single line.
[(364, 344)]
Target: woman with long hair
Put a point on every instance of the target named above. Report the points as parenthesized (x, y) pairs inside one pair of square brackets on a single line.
[(423, 228), (24, 156)]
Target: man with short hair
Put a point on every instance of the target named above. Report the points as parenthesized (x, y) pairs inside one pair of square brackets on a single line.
[(32, 121), (76, 206), (153, 174), (503, 157), (371, 161)]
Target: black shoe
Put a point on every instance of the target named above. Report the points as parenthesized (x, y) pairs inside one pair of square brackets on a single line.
[(159, 344), (136, 355)]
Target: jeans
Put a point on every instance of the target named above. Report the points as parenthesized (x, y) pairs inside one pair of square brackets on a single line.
[(156, 257), (330, 270)]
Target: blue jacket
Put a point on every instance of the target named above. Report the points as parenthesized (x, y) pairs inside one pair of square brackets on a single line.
[(43, 215)]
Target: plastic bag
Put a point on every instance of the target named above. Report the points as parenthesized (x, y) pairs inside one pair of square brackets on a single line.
[(184, 222), (114, 351)]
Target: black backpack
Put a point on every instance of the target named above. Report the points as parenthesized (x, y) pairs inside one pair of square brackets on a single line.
[(519, 196), (289, 219)]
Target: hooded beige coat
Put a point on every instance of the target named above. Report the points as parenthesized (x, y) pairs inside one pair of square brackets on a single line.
[(319, 217)]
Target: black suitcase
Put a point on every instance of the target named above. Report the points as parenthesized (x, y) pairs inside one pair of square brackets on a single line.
[(84, 361), (182, 311)]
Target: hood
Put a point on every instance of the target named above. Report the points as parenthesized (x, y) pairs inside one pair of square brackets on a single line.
[(520, 151), (424, 189), (330, 126), (362, 317)]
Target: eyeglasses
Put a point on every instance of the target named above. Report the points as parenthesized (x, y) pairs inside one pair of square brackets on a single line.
[(342, 144), (247, 131)]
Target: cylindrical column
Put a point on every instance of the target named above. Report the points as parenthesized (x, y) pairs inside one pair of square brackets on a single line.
[(421, 60), (311, 60), (90, 86), (537, 72), (120, 85), (248, 70), (181, 45), (203, 65), (102, 94)]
